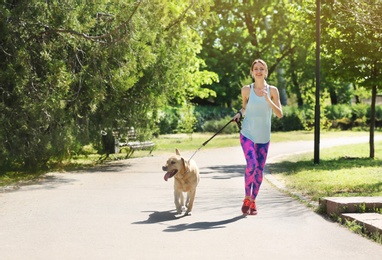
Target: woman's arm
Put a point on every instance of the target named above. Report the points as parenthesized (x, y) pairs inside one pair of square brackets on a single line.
[(274, 101), (245, 96)]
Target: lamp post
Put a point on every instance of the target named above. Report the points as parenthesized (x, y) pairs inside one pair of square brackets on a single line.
[(317, 107)]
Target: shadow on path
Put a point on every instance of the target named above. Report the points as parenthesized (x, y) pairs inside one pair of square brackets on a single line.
[(223, 171), (198, 226), (163, 216), (160, 216), (45, 182)]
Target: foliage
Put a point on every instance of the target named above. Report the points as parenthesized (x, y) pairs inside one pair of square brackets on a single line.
[(351, 44), (241, 31), (292, 120), (187, 119), (339, 111), (214, 126), (284, 34), (204, 114), (169, 121), (70, 69), (352, 38), (211, 119)]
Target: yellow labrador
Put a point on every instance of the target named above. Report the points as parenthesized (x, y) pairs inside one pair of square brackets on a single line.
[(186, 178)]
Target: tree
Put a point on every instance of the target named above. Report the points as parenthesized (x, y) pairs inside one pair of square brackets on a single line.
[(241, 31), (69, 69), (353, 37)]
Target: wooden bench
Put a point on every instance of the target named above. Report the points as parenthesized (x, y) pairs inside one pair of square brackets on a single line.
[(131, 144)]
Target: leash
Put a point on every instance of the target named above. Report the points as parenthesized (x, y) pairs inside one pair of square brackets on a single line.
[(221, 129)]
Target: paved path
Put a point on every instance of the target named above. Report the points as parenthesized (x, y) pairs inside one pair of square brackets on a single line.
[(124, 210)]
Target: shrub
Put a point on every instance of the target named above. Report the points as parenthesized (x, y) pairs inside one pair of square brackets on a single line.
[(360, 111), (378, 112), (187, 119), (211, 113), (215, 125), (168, 120), (211, 119), (291, 120), (339, 111), (343, 123)]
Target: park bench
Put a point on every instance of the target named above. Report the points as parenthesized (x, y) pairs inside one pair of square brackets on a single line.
[(131, 144)]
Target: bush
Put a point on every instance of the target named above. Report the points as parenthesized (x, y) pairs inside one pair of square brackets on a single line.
[(211, 119), (211, 113), (291, 120), (378, 112), (360, 111), (215, 125), (171, 120), (339, 111), (343, 123), (187, 119), (168, 120)]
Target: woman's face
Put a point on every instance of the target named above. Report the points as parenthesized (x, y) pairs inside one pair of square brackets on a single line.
[(259, 71)]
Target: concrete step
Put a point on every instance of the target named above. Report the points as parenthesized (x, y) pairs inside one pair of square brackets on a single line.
[(372, 222), (338, 205), (363, 210)]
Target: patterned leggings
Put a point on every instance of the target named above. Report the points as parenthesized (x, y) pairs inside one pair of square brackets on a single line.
[(255, 155)]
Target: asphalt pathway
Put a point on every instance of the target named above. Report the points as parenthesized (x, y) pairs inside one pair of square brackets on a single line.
[(125, 210)]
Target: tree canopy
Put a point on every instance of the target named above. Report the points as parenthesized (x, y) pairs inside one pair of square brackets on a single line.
[(69, 69), (72, 68)]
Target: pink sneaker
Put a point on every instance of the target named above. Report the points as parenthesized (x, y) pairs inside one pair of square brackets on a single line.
[(245, 207), (252, 208)]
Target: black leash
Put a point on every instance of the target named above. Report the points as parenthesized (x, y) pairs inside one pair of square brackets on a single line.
[(221, 129)]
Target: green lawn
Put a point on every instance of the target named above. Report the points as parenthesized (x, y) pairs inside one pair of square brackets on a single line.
[(342, 171), (166, 143)]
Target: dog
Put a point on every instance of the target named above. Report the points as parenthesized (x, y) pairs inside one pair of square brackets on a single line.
[(186, 179)]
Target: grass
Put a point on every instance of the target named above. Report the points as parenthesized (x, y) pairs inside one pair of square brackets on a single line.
[(184, 142), (342, 171)]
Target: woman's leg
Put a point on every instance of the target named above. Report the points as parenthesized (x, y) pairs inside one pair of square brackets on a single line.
[(255, 155), (260, 157), (249, 154)]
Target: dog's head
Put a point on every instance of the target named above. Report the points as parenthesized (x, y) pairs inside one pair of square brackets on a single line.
[(174, 165)]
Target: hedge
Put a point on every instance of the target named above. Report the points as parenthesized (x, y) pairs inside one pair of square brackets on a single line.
[(211, 119)]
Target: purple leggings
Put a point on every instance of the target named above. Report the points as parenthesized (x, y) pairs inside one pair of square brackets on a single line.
[(255, 155)]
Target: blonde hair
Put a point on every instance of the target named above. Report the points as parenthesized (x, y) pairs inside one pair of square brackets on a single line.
[(261, 62)]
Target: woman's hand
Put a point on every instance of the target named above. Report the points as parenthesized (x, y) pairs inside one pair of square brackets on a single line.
[(237, 117), (264, 93)]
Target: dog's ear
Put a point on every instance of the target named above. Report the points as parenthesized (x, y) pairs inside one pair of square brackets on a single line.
[(177, 151), (186, 165)]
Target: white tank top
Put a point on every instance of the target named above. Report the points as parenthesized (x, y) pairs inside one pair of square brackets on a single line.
[(258, 116)]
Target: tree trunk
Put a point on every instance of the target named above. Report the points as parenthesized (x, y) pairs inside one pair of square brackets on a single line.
[(296, 87), (281, 83), (357, 101), (372, 120), (333, 96)]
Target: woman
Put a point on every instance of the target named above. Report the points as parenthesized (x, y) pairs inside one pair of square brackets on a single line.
[(260, 100)]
